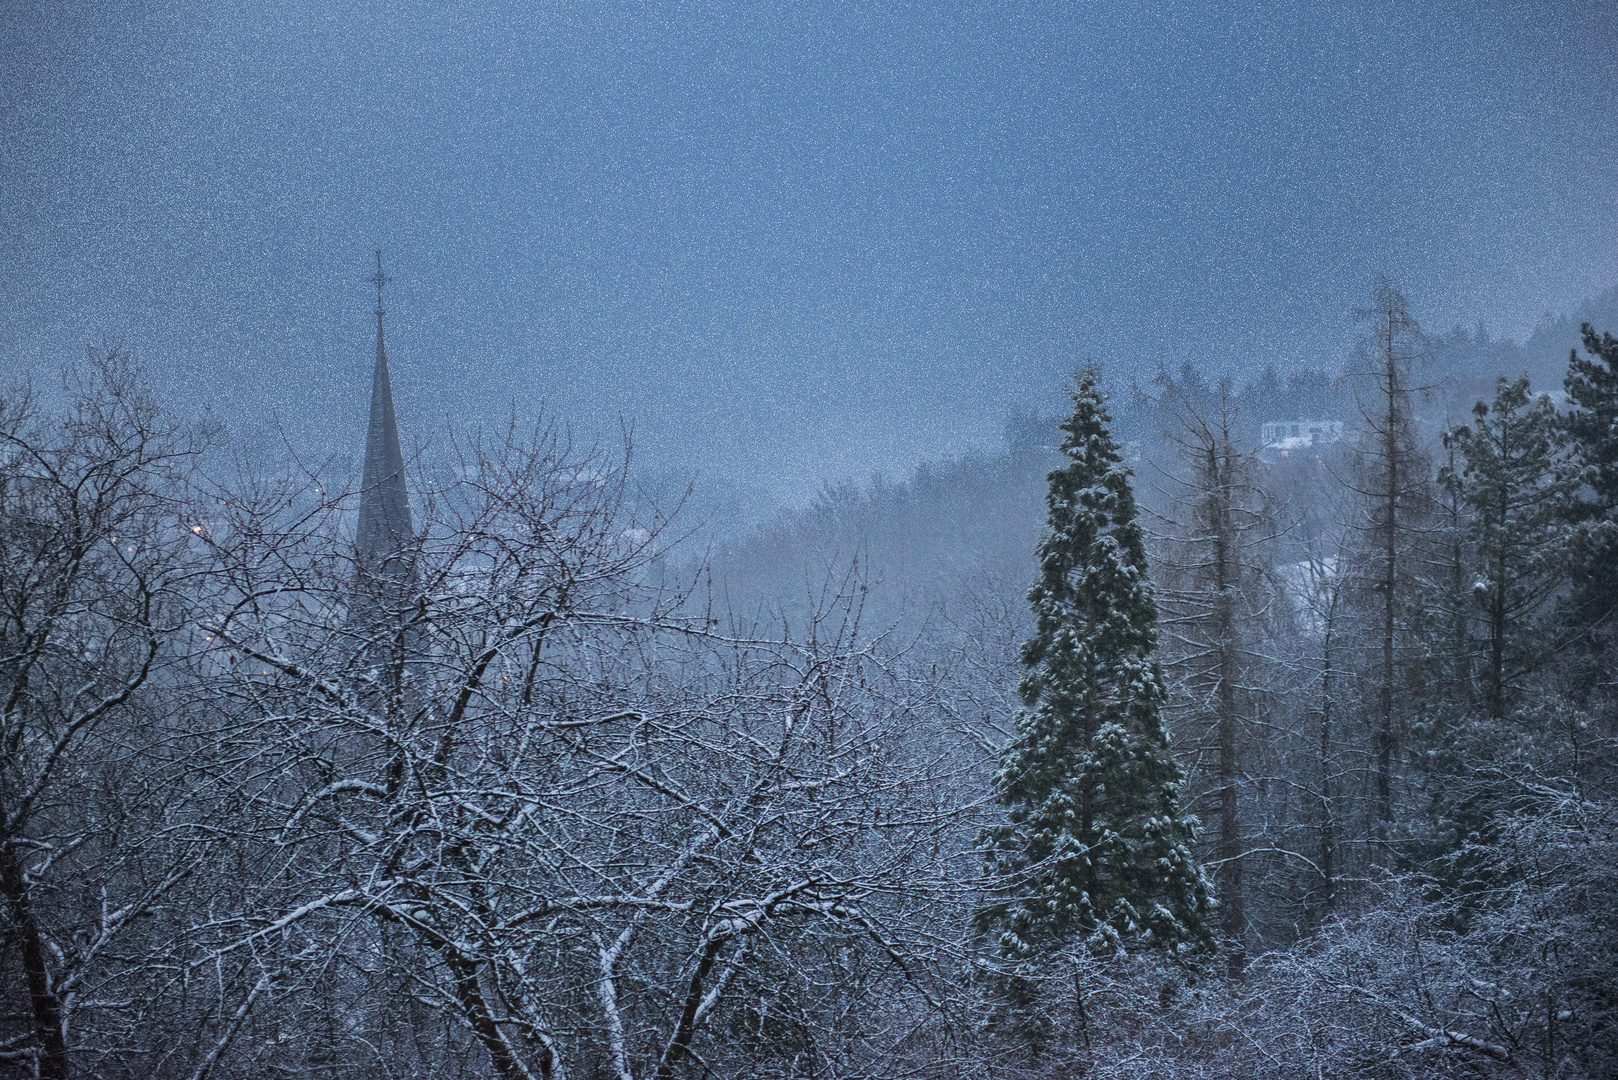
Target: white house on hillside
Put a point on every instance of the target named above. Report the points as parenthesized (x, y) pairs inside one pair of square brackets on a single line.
[(1285, 439)]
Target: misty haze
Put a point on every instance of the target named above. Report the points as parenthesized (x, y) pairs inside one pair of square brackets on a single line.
[(645, 541)]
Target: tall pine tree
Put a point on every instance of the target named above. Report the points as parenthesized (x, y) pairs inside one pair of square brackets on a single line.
[(1515, 494), (1095, 846), (1592, 430)]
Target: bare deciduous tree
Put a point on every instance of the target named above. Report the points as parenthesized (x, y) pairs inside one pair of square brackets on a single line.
[(1220, 591), (585, 819), (97, 566)]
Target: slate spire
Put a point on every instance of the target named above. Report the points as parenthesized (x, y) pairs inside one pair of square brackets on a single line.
[(384, 526)]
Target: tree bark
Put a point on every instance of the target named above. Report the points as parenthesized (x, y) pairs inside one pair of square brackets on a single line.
[(46, 1007)]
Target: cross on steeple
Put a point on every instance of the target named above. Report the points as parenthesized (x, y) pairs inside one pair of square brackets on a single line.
[(379, 279)]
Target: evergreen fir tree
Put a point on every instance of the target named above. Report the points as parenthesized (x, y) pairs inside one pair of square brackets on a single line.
[(1592, 428), (1515, 495), (1096, 847)]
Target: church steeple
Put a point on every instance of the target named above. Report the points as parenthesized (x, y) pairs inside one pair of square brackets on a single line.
[(384, 526)]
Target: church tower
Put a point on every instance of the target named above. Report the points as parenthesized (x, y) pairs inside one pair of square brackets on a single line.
[(385, 529), (382, 613)]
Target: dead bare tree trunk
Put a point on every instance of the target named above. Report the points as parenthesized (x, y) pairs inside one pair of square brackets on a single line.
[(1220, 567), (1396, 480)]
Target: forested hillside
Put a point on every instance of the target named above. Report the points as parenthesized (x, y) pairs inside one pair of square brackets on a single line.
[(1146, 747), (1389, 660)]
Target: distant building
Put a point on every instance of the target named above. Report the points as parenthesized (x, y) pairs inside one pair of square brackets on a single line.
[(380, 615), (1287, 439), (385, 532)]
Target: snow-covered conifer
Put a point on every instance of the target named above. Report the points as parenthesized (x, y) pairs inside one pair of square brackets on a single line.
[(1592, 431), (1095, 846), (1516, 495)]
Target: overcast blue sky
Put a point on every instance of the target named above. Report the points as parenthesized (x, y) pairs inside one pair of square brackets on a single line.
[(789, 242)]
